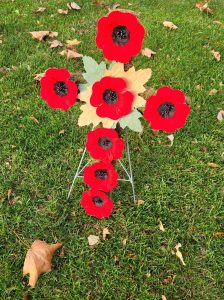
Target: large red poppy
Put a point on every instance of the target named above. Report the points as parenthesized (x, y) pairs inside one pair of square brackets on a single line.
[(111, 98), (167, 110), (104, 144), (101, 176), (97, 204), (120, 36), (57, 89)]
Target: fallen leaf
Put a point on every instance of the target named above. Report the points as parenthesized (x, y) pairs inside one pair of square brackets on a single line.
[(34, 119), (218, 233), (164, 297), (27, 296), (161, 227), (204, 8), (9, 194), (216, 55), (124, 242), (220, 115), (63, 52), (148, 52), (39, 76), (212, 165), (80, 150), (72, 54), (169, 279), (179, 254), (39, 10), (55, 44), (73, 5), (62, 131), (140, 202), (1, 39), (40, 35), (169, 25), (116, 260), (213, 92), (105, 233), (62, 11), (93, 240), (171, 139), (217, 22), (38, 260), (71, 43), (115, 6), (62, 254), (198, 87)]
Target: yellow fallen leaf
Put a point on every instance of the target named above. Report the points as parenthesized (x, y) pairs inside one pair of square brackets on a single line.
[(171, 139), (55, 44), (38, 260), (39, 10), (124, 242), (216, 55), (61, 132), (169, 25), (93, 240), (62, 11), (140, 202), (220, 115), (34, 120), (40, 35), (148, 52), (72, 54), (71, 43), (161, 227), (105, 233), (179, 254), (212, 165)]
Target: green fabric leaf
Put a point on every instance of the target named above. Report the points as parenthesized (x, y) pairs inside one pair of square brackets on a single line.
[(83, 87), (94, 71), (132, 121)]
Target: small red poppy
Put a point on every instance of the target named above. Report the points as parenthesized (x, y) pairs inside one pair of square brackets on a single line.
[(104, 144), (120, 36), (57, 89), (101, 176), (111, 98), (97, 204), (167, 110)]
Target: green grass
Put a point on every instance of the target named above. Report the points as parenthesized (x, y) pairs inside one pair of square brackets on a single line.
[(175, 182)]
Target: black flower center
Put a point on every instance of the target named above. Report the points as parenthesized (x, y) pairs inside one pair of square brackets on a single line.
[(120, 35), (105, 143), (110, 97), (98, 201), (61, 88), (166, 110), (101, 174)]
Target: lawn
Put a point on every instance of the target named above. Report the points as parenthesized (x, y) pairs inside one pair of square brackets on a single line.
[(176, 183)]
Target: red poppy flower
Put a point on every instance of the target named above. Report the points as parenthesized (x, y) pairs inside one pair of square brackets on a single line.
[(111, 98), (97, 204), (101, 176), (57, 90), (120, 36), (104, 144), (167, 110)]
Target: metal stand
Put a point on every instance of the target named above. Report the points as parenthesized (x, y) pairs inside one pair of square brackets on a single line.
[(80, 169)]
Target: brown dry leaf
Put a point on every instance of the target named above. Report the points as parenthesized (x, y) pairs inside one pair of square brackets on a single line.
[(40, 35), (148, 52), (161, 227), (62, 11), (179, 254), (116, 260), (169, 25), (105, 233), (72, 43), (204, 8), (55, 44), (169, 279), (27, 296), (171, 139), (212, 165), (164, 297), (72, 54), (93, 240), (213, 92), (80, 150), (63, 52), (217, 22), (124, 242), (34, 120), (9, 194), (62, 132), (38, 260), (39, 76), (220, 115), (140, 202), (216, 55), (39, 10), (73, 5), (218, 233)]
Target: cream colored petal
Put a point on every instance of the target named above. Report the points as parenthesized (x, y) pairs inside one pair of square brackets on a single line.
[(137, 79), (85, 95), (139, 102)]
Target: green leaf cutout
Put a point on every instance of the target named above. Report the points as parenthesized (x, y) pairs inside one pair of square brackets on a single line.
[(132, 121), (94, 71)]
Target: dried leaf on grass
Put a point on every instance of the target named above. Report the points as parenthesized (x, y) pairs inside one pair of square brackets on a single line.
[(55, 44), (40, 35), (93, 240), (39, 10), (212, 165), (70, 54), (216, 55), (39, 76), (72, 43), (164, 297), (38, 260), (140, 202), (220, 115), (62, 11), (169, 279), (169, 25), (161, 227), (105, 233), (179, 254), (148, 52), (204, 8), (34, 120), (171, 139), (73, 5), (218, 233)]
